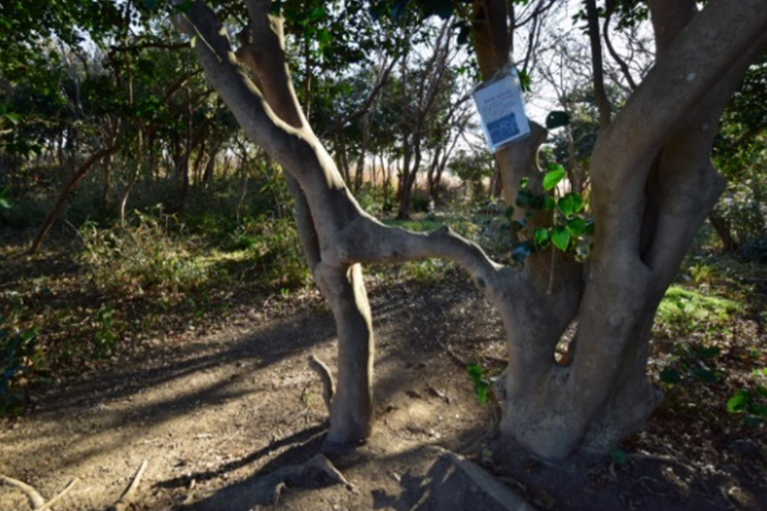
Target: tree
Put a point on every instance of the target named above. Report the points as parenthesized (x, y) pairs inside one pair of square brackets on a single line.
[(653, 184)]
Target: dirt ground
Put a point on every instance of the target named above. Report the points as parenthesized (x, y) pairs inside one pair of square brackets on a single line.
[(216, 414)]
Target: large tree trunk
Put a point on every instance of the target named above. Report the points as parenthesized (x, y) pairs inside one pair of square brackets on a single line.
[(649, 198), (653, 184)]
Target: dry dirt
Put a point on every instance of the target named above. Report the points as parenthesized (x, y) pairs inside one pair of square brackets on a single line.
[(214, 414)]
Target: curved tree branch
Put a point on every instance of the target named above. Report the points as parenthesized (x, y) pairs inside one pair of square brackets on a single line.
[(624, 67)]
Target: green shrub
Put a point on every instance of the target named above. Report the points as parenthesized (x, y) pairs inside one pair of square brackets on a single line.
[(682, 306), (755, 250), (140, 256), (273, 245), (19, 354)]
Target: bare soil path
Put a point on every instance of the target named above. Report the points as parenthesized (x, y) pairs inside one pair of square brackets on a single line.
[(215, 414), (210, 411)]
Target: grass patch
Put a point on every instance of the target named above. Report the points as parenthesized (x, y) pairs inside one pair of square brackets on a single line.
[(681, 305)]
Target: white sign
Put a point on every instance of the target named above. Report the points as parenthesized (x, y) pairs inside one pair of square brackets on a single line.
[(502, 110)]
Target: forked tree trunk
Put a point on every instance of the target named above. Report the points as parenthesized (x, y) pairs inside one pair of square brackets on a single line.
[(649, 198), (653, 184)]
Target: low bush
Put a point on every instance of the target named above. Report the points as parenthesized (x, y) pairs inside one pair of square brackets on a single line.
[(140, 256)]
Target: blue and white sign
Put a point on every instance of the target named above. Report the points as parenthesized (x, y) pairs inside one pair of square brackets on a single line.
[(501, 110)]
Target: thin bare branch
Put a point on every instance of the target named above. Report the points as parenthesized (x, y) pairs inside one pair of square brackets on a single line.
[(383, 75), (624, 67), (125, 499), (597, 66)]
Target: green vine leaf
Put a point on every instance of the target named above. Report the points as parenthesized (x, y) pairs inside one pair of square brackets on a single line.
[(560, 237), (555, 174), (576, 226)]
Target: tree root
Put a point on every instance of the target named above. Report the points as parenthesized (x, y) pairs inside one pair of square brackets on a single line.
[(498, 491), (35, 498), (328, 385), (124, 501), (300, 472)]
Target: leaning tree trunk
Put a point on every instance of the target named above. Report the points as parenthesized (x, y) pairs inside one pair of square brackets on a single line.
[(61, 201), (653, 184)]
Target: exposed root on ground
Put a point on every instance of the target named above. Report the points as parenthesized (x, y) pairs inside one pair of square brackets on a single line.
[(303, 472), (328, 385), (489, 484), (37, 501)]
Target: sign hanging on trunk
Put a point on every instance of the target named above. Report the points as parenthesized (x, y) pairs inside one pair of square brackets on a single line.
[(501, 109)]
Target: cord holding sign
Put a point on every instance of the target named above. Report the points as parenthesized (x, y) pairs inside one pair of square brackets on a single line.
[(501, 109)]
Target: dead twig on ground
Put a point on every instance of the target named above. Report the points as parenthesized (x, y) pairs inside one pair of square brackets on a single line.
[(37, 501), (125, 499)]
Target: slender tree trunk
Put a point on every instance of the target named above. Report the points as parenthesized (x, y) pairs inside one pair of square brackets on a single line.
[(724, 230), (107, 167), (210, 167), (62, 199)]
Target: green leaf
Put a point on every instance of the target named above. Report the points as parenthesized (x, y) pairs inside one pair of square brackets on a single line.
[(738, 402), (707, 352), (566, 205), (707, 375), (316, 14), (670, 376), (4, 204), (576, 226), (475, 371), (555, 174), (13, 118), (549, 203), (276, 8), (481, 391), (560, 237), (525, 82), (323, 37), (542, 236), (509, 212), (589, 230), (577, 201), (556, 119), (619, 456)]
